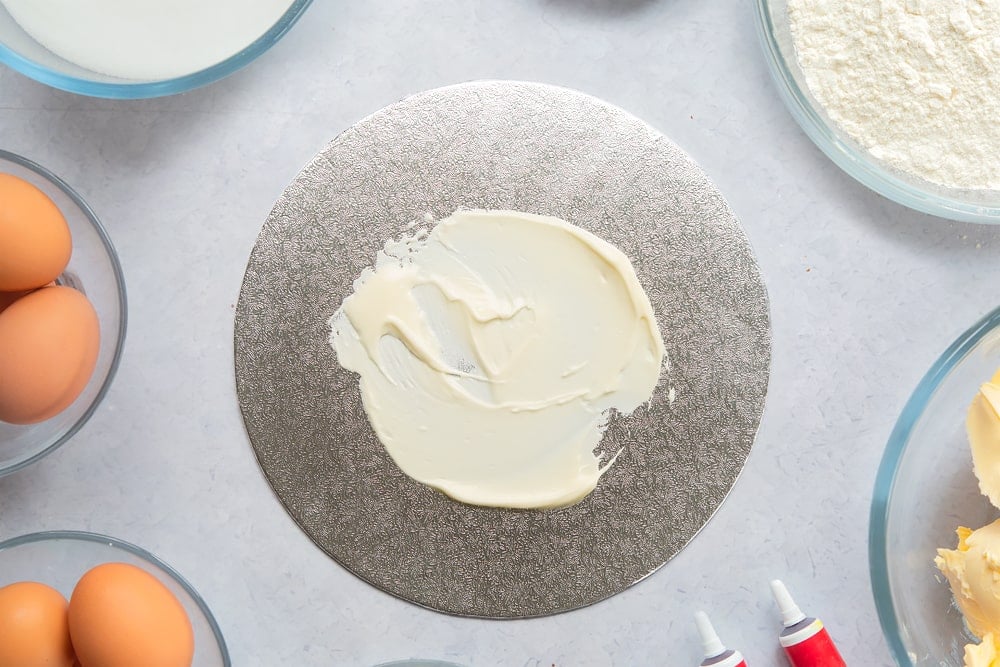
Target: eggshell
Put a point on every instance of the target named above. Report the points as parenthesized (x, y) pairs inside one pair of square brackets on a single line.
[(34, 629), (35, 242), (7, 298), (49, 341), (122, 616)]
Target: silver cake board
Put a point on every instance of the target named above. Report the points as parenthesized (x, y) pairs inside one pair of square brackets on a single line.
[(539, 149)]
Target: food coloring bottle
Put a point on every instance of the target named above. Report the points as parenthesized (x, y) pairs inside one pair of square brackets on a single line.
[(805, 640), (716, 655)]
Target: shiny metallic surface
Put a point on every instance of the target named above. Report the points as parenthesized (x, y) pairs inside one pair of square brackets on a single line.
[(528, 147)]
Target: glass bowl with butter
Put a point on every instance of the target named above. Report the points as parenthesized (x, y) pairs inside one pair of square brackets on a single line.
[(774, 29), (925, 490), (33, 45)]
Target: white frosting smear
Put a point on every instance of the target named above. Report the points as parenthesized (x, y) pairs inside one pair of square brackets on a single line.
[(146, 39), (491, 351)]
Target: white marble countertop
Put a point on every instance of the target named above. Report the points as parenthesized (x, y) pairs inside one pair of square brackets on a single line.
[(865, 294)]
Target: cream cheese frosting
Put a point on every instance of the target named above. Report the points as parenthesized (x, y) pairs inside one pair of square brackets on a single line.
[(983, 427), (491, 350)]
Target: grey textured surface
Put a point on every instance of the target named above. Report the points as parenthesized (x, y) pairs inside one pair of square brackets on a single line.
[(864, 295), (525, 147)]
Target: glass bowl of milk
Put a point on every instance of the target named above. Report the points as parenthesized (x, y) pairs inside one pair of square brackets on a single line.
[(131, 50)]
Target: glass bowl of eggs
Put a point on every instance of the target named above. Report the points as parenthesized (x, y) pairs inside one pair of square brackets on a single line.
[(62, 312), (121, 50), (925, 489), (774, 27), (67, 595)]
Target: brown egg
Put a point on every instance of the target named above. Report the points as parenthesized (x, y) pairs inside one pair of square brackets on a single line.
[(7, 298), (34, 631), (35, 243), (49, 341), (122, 616)]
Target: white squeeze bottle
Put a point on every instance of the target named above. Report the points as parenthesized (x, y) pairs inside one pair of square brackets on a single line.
[(716, 654)]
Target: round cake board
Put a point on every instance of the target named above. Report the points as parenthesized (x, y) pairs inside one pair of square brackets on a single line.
[(534, 148)]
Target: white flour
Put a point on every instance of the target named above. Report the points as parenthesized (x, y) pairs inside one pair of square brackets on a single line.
[(146, 39), (916, 82)]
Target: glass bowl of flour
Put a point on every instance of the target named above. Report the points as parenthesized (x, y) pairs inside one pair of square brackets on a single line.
[(114, 49), (902, 95)]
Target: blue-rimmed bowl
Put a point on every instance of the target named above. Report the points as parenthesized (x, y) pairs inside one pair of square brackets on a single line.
[(779, 50), (21, 52), (59, 558), (925, 488), (94, 269)]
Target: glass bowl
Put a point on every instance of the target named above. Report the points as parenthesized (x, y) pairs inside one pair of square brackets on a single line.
[(779, 50), (925, 488), (94, 270), (59, 558), (21, 52)]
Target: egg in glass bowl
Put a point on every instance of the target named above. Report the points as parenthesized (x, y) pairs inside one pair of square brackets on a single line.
[(925, 489), (82, 316), (103, 601)]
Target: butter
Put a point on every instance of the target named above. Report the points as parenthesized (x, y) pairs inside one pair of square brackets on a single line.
[(983, 427), (973, 570), (984, 654), (491, 350)]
